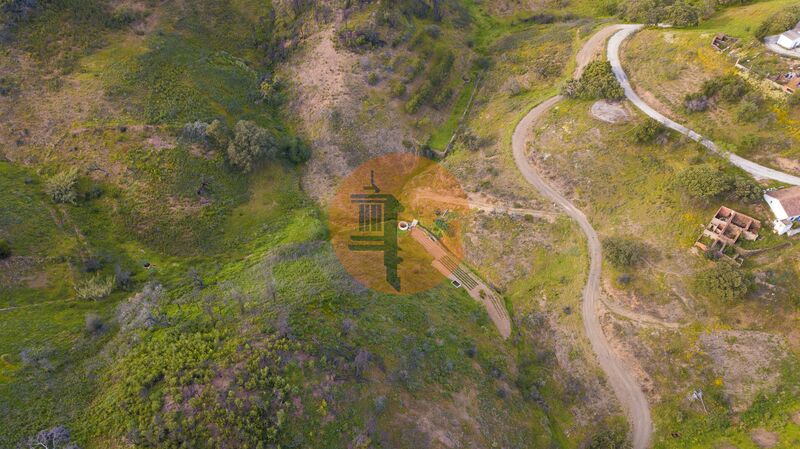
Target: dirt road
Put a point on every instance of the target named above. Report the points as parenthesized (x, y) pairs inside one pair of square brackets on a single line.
[(756, 170), (620, 378)]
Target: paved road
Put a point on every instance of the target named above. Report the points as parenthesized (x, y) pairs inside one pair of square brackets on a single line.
[(622, 382), (758, 171), (771, 43)]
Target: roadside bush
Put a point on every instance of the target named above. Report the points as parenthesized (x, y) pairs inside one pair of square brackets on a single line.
[(683, 15), (5, 249), (723, 281), (648, 132), (95, 288), (597, 81), (61, 187), (703, 182), (777, 23), (251, 144), (621, 251), (696, 102), (611, 434), (747, 190), (751, 142)]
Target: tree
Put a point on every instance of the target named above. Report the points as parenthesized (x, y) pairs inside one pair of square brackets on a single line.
[(56, 438), (747, 190), (250, 145), (621, 251), (682, 14), (61, 187), (703, 182), (597, 81), (723, 281)]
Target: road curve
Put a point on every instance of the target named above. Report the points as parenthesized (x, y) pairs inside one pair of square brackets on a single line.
[(756, 170), (627, 390)]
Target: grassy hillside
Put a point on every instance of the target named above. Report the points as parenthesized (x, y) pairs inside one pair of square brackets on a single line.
[(175, 301)]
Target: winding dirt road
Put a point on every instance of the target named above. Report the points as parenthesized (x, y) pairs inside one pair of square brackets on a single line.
[(756, 170), (627, 390)]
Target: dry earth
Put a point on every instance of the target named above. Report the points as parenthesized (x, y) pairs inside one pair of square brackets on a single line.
[(747, 362)]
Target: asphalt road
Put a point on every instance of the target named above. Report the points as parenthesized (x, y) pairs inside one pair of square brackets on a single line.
[(627, 390), (756, 170)]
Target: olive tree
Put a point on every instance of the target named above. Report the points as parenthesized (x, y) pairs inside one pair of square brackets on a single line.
[(251, 144)]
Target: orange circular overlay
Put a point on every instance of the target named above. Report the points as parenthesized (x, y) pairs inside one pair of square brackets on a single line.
[(396, 223)]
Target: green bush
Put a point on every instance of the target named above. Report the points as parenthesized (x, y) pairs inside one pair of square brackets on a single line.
[(218, 134), (703, 182), (747, 190), (597, 81), (648, 132), (723, 281), (95, 288), (61, 187), (621, 251), (730, 88), (777, 23), (397, 88), (251, 144), (295, 150), (613, 435), (683, 15), (5, 249)]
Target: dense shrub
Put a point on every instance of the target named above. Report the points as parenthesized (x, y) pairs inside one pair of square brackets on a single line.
[(730, 88), (295, 150), (648, 132), (360, 40), (683, 15), (195, 132), (621, 251), (703, 182), (747, 190), (56, 438), (251, 144), (218, 134), (784, 19), (5, 249), (597, 81), (432, 89), (613, 435), (61, 187), (723, 281), (696, 102)]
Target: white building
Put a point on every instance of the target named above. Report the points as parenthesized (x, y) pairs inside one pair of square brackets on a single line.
[(789, 40), (785, 204)]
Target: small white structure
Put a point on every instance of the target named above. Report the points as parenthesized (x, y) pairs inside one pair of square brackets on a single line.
[(785, 204), (789, 40)]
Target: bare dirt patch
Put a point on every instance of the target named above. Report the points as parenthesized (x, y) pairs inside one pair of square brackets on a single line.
[(764, 438), (611, 112), (747, 361)]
